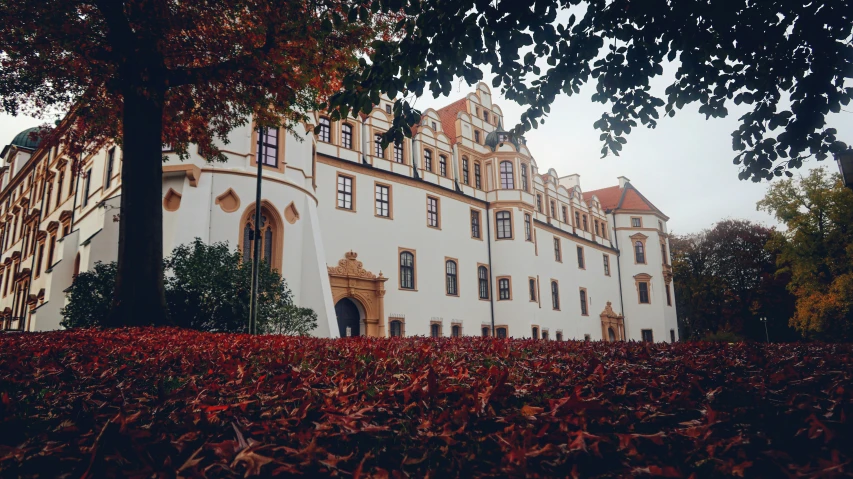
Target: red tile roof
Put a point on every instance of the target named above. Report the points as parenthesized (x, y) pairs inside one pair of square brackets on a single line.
[(608, 197), (614, 197), (448, 117)]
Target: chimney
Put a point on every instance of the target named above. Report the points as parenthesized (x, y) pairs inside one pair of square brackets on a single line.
[(623, 181)]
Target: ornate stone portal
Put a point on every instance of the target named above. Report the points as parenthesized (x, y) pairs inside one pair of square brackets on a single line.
[(612, 324), (349, 279)]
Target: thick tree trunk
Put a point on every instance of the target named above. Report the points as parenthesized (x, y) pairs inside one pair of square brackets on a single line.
[(139, 297)]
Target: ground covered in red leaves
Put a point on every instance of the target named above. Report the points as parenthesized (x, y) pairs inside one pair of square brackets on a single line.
[(167, 402)]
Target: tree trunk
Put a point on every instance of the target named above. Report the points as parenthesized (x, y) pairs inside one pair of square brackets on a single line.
[(139, 297)]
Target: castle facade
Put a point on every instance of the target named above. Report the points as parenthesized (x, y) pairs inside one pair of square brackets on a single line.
[(447, 234)]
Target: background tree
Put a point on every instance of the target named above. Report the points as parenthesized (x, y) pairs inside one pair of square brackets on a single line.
[(816, 251), (207, 288), (146, 73), (725, 281)]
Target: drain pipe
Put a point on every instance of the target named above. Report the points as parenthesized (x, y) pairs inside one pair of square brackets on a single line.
[(619, 275), (491, 275)]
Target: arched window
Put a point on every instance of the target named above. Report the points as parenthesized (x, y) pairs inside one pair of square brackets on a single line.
[(555, 295), (266, 240), (535, 332), (465, 170), (407, 270), (346, 136), (442, 165), (452, 285), (456, 331), (396, 328), (477, 178), (507, 182), (504, 224), (435, 330), (545, 335), (639, 252), (501, 332), (559, 336), (325, 129), (428, 160), (485, 331), (483, 282), (584, 310)]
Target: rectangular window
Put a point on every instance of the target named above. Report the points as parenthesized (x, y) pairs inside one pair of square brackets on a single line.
[(636, 222), (387, 108), (668, 296), (565, 215), (432, 212), (584, 306), (581, 264), (660, 225), (378, 151), (604, 230), (672, 335), (663, 253), (585, 224), (553, 209), (346, 136), (50, 247), (503, 220), (428, 160), (442, 165), (477, 180), (557, 256), (486, 116), (39, 259), (648, 337), (532, 284), (476, 136), (524, 177), (86, 187), (398, 152), (577, 220), (59, 183), (606, 264), (643, 288), (110, 160), (555, 295), (383, 201), (504, 291), (528, 235), (596, 227), (475, 224), (539, 203), (268, 146), (345, 191)]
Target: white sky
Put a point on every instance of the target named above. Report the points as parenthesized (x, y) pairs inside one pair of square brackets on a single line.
[(684, 166)]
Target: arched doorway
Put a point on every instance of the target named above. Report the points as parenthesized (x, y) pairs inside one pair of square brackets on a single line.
[(365, 290), (611, 335), (349, 318)]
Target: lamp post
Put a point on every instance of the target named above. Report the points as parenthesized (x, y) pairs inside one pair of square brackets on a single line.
[(256, 233), (766, 334)]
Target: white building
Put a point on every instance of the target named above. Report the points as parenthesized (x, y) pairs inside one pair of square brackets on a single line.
[(445, 234)]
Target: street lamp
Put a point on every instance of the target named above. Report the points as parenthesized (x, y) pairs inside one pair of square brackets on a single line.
[(767, 335)]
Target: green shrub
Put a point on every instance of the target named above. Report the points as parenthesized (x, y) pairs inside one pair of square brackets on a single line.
[(207, 288)]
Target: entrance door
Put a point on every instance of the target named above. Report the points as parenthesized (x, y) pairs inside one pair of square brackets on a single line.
[(348, 317), (611, 334)]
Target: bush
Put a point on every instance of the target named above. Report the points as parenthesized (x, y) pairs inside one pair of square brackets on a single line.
[(207, 288), (178, 403)]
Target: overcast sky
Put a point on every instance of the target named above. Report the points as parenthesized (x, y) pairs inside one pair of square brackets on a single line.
[(684, 166)]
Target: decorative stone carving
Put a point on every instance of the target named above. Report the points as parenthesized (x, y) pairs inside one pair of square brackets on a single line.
[(291, 214), (349, 279), (228, 201), (610, 321)]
